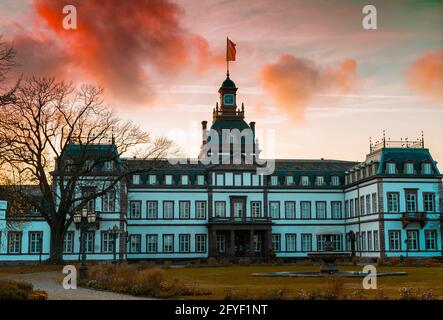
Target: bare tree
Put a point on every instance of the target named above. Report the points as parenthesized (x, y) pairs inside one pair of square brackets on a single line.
[(7, 61), (63, 139)]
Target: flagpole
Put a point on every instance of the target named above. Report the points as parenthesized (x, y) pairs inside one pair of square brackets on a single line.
[(227, 60)]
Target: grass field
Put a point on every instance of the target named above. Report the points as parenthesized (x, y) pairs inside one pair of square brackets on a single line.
[(221, 281)]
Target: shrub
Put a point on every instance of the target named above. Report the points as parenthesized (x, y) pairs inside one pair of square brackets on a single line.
[(15, 290), (334, 288), (380, 262), (231, 294), (380, 295), (428, 295), (211, 261), (409, 262), (167, 264), (394, 261), (244, 262), (38, 295), (428, 263), (354, 261), (306, 262), (407, 294), (274, 294), (358, 294)]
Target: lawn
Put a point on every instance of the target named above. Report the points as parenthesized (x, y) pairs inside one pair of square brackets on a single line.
[(238, 279), (6, 270)]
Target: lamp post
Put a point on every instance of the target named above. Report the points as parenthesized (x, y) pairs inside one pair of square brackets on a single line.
[(114, 233), (84, 221)]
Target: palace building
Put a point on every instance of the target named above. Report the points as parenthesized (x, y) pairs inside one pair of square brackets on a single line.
[(387, 205)]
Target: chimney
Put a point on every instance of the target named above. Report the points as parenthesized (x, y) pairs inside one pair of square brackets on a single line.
[(204, 126), (252, 125)]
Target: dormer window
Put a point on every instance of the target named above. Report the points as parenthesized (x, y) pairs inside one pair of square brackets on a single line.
[(390, 168), (108, 165), (305, 181), (88, 165), (152, 179), (409, 169), (136, 179), (68, 165), (184, 179), (168, 179), (319, 180), (335, 181), (289, 180), (427, 168), (200, 180), (274, 180)]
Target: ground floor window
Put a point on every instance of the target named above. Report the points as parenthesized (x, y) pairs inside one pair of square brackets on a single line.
[(257, 242), (107, 242), (68, 242), (184, 242), (35, 241), (306, 242), (276, 242), (200, 243), (336, 242), (363, 241), (394, 240), (168, 243), (14, 242), (412, 239), (151, 243), (135, 243), (221, 243), (291, 242), (369, 240), (89, 242), (431, 239), (321, 242)]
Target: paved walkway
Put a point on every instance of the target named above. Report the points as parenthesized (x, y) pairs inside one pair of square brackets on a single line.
[(51, 282)]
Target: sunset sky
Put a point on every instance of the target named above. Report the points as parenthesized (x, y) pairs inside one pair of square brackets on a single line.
[(315, 82)]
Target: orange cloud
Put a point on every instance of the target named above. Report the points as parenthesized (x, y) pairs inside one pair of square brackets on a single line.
[(117, 44), (425, 75), (292, 81)]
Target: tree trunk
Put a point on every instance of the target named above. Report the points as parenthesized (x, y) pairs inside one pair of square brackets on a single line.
[(57, 237)]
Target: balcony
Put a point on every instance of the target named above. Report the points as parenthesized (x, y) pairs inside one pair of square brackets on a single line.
[(240, 220), (410, 217)]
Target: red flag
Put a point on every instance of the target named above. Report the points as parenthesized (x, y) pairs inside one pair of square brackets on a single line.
[(230, 50)]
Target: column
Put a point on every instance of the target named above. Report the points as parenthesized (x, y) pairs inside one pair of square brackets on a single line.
[(212, 242), (251, 243), (232, 243)]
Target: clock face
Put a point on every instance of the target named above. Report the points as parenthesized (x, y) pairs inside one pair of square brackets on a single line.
[(228, 99)]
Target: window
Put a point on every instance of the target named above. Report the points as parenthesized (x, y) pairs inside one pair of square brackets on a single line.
[(363, 242), (69, 165), (431, 239), (394, 240), (291, 242), (305, 210), (135, 209), (289, 180), (393, 202), (351, 208), (257, 242), (135, 243), (290, 209), (412, 238), (200, 180), (136, 179), (237, 179), (335, 180), (411, 200), (107, 242), (168, 243), (376, 240), (306, 242), (89, 242), (184, 179), (35, 241), (108, 165), (336, 209), (87, 193), (427, 168), (346, 208), (368, 204), (274, 209), (220, 208), (321, 239), (68, 242), (184, 210), (362, 205), (255, 180), (305, 181), (255, 209), (151, 210), (219, 179), (374, 203), (200, 243), (409, 168), (200, 209), (390, 168), (357, 208), (369, 240), (152, 243), (429, 202), (336, 242), (184, 242), (87, 165), (320, 209), (168, 209), (108, 201), (220, 243), (152, 179), (274, 180), (14, 242), (168, 179), (276, 242), (319, 180)]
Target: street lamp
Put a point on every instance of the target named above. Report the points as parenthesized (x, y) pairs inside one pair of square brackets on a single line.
[(84, 221), (114, 233)]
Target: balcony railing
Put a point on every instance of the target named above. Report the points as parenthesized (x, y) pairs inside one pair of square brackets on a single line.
[(240, 220), (408, 217)]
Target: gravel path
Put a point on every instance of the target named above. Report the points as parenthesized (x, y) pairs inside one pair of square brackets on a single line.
[(51, 282)]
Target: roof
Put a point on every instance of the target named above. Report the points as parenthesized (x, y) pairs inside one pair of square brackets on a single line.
[(228, 83), (402, 155), (239, 124)]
